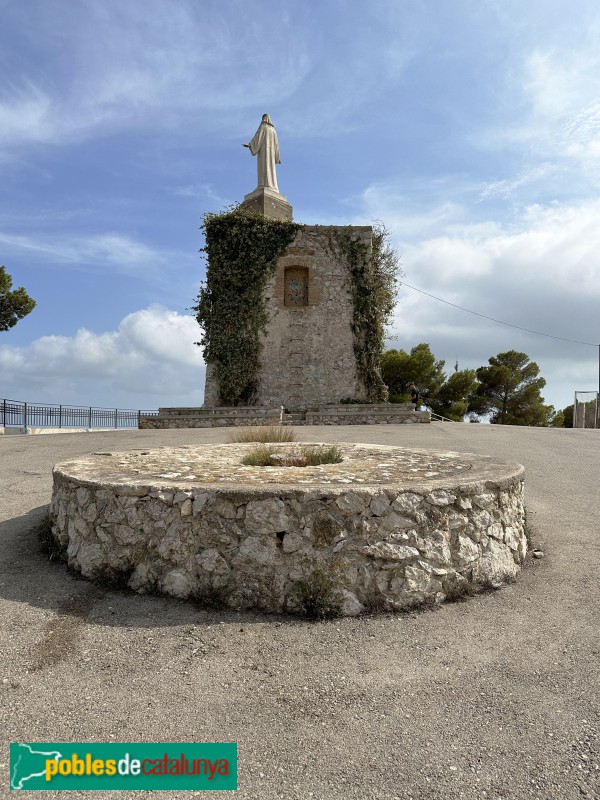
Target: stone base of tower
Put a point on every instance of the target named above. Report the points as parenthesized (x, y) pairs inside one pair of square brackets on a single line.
[(227, 416), (269, 203)]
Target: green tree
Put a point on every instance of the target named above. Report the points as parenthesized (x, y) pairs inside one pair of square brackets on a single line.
[(399, 369), (568, 416), (14, 305), (509, 391), (452, 398), (445, 396)]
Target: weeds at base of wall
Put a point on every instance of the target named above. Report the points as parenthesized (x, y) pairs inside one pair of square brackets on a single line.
[(529, 532), (375, 603), (49, 544), (319, 596), (460, 592), (212, 597), (111, 579), (428, 603)]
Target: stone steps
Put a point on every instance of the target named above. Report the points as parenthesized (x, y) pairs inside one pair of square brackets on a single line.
[(388, 413)]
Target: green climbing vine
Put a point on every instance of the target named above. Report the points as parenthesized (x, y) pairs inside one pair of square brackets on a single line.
[(374, 284), (241, 252)]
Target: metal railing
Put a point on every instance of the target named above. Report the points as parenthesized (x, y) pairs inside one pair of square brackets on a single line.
[(35, 415), (440, 418)]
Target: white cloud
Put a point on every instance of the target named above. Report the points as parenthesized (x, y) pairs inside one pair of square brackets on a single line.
[(196, 67), (507, 187), (122, 253), (150, 360), (146, 66), (542, 272), (561, 81), (204, 191), (553, 246), (26, 115), (554, 109)]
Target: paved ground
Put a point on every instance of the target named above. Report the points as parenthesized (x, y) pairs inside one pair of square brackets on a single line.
[(496, 697)]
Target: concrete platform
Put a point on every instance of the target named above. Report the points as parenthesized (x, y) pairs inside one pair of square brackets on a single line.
[(502, 688)]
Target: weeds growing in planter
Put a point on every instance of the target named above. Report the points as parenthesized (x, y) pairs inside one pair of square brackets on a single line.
[(263, 433), (315, 455)]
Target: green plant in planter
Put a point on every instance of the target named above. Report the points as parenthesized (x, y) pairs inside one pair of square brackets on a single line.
[(242, 250), (315, 455)]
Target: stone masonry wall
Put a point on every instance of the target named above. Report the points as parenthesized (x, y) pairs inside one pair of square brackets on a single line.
[(388, 413)]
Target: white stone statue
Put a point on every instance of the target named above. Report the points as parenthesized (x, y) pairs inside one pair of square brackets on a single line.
[(265, 146)]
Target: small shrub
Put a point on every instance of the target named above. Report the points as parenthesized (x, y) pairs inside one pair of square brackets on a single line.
[(49, 544), (457, 592), (316, 455), (263, 433), (375, 602), (258, 456), (211, 597), (319, 597), (112, 579), (325, 529), (488, 586)]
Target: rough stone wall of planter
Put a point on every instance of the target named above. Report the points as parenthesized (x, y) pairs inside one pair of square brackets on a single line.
[(391, 527)]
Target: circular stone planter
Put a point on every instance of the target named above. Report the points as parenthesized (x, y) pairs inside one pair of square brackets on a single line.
[(387, 528)]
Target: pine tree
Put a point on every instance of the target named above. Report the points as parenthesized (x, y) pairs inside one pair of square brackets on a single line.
[(509, 391), (15, 304)]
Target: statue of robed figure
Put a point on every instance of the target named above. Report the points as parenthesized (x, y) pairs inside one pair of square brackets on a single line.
[(265, 146)]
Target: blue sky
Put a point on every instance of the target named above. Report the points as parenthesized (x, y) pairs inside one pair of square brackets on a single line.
[(471, 129)]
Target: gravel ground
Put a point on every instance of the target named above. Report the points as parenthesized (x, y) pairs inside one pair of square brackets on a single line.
[(495, 697)]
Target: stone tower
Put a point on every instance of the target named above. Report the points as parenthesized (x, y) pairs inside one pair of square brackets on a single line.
[(308, 350), (308, 355), (318, 294)]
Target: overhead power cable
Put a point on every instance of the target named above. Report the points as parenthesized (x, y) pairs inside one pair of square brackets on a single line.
[(499, 321)]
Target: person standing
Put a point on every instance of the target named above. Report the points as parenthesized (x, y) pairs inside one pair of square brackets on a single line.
[(414, 396)]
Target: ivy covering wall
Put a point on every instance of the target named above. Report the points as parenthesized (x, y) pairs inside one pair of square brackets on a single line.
[(374, 281), (242, 250)]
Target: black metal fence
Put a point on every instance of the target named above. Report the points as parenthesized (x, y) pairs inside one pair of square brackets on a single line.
[(35, 415)]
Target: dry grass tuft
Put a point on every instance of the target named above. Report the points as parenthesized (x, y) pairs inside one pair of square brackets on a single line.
[(316, 455), (263, 433)]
